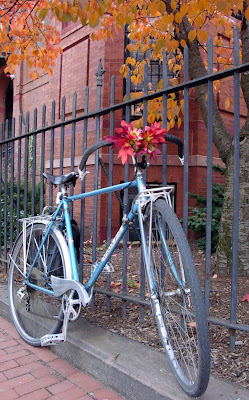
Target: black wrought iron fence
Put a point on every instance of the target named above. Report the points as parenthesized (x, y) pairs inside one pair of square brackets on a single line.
[(57, 148)]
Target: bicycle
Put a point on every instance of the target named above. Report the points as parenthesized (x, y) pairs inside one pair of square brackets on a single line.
[(45, 292)]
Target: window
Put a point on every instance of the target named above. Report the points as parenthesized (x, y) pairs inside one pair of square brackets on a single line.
[(155, 72)]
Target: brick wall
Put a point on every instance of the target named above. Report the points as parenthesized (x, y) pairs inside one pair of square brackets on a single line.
[(76, 68)]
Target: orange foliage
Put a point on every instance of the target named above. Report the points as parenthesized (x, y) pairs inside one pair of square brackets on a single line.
[(29, 30)]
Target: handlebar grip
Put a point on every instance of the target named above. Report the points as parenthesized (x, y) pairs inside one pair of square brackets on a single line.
[(91, 150), (176, 140)]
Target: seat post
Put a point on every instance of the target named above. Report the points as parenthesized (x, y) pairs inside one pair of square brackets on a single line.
[(64, 189)]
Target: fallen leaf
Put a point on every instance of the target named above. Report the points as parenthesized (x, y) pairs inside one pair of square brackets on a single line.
[(246, 298), (115, 284)]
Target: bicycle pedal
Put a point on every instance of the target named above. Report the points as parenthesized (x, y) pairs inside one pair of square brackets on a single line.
[(52, 340)]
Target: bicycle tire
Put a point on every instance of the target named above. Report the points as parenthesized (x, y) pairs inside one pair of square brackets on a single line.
[(177, 300), (35, 313)]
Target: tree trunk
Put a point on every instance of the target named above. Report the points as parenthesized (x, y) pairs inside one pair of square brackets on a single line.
[(225, 245), (224, 144)]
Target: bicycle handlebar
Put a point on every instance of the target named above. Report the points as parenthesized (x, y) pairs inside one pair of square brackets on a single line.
[(105, 143), (91, 150), (176, 140)]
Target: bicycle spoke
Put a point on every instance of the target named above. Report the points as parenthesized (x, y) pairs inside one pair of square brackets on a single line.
[(186, 346), (19, 270), (40, 255), (35, 313)]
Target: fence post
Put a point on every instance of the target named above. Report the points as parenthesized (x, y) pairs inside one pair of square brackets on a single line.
[(26, 167), (236, 174), (165, 112), (12, 144), (110, 182), (42, 158), (1, 181), (209, 175), (186, 141), (82, 217), (99, 75)]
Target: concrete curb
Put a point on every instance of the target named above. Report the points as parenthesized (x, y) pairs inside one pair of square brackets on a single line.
[(130, 368)]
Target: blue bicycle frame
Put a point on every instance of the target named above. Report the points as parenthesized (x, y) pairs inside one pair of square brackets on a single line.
[(138, 182)]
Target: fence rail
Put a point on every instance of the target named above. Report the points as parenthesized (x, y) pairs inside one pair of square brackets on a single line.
[(30, 151)]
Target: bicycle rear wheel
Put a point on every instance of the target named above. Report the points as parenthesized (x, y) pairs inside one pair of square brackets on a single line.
[(176, 299), (34, 312)]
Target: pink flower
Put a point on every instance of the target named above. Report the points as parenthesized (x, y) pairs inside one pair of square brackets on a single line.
[(133, 141)]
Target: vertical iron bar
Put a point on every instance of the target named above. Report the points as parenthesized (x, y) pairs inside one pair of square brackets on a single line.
[(164, 147), (99, 74), (19, 159), (63, 107), (1, 187), (73, 147), (126, 199), (165, 112), (51, 168), (33, 195), (5, 196), (33, 199), (145, 101), (236, 175), (83, 185), (209, 176), (12, 152), (110, 183), (109, 223), (26, 167), (42, 158), (145, 117), (186, 142)]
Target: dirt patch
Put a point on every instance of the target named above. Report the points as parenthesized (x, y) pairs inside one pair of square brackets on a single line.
[(138, 322)]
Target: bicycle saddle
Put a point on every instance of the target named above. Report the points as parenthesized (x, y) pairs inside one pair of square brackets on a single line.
[(62, 179)]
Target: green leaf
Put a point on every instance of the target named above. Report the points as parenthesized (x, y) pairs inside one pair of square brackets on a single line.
[(160, 44), (134, 10), (43, 13), (93, 21), (129, 19)]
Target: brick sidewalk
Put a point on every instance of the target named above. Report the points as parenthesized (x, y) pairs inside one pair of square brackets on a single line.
[(34, 373)]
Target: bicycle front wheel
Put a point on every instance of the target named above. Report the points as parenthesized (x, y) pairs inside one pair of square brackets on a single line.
[(176, 298), (36, 313)]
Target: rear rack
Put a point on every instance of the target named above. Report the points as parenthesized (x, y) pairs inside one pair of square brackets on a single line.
[(151, 195), (47, 218)]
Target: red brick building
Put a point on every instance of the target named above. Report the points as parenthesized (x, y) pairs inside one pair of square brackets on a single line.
[(74, 70)]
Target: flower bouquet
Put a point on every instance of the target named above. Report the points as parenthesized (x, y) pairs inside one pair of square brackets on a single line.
[(134, 141)]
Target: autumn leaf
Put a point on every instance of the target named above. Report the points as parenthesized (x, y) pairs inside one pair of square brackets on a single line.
[(115, 284), (202, 36), (93, 21), (154, 19), (173, 5), (227, 103), (178, 18), (247, 13), (43, 13), (192, 35), (246, 298), (192, 324)]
